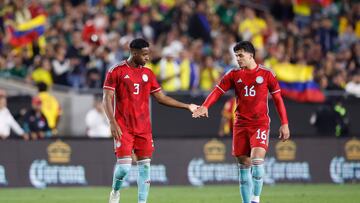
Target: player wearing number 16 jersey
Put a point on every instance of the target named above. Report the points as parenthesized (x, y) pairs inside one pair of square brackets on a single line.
[(252, 82), (129, 85)]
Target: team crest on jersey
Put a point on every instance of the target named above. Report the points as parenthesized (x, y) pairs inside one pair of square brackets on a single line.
[(259, 79), (145, 77)]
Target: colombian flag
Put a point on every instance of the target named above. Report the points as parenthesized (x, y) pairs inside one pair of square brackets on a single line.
[(27, 32), (296, 82)]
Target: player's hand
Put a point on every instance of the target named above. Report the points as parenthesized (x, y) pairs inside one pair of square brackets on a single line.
[(26, 136), (284, 132), (202, 111), (193, 107), (115, 130)]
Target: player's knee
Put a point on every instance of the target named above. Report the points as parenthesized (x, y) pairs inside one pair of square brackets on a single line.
[(122, 168), (244, 162)]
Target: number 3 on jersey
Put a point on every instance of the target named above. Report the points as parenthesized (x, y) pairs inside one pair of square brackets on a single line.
[(250, 91), (137, 88)]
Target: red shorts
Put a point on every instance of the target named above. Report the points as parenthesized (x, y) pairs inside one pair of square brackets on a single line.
[(246, 138), (141, 145)]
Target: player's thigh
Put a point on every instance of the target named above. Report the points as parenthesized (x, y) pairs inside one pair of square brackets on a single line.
[(241, 142), (259, 137), (143, 145), (124, 147)]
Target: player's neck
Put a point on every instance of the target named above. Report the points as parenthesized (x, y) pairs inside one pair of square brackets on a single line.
[(132, 63), (252, 66)]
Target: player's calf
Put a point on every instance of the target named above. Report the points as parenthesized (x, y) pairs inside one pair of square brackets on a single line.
[(143, 180), (122, 168), (258, 172), (245, 182)]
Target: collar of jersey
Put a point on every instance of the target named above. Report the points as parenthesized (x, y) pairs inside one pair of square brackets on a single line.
[(251, 71)]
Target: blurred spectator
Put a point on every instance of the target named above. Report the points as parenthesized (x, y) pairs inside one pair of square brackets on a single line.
[(327, 35), (18, 68), (97, 125), (34, 121), (227, 118), (4, 72), (226, 11), (337, 82), (302, 10), (61, 66), (189, 72), (169, 71), (209, 74), (347, 37), (50, 107), (199, 26), (7, 120), (42, 73), (252, 29), (282, 10), (353, 87), (93, 78), (331, 119)]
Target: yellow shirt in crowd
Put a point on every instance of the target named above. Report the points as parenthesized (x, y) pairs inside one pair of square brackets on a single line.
[(208, 78), (255, 27), (50, 108), (42, 75)]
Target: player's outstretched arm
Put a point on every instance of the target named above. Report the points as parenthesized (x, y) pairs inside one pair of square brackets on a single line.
[(202, 111), (284, 132), (168, 101), (108, 100)]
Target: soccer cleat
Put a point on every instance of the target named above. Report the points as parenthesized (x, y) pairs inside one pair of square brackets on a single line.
[(255, 199), (114, 197)]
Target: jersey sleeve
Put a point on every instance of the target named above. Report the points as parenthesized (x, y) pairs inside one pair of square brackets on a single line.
[(110, 81), (155, 87), (226, 82), (273, 84)]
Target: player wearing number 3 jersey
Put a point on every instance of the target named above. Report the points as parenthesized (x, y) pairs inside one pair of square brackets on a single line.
[(252, 82), (127, 89)]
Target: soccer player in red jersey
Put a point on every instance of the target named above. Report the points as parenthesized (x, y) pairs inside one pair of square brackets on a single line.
[(130, 85), (251, 82)]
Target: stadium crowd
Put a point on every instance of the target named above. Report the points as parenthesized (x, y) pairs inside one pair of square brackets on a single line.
[(191, 40)]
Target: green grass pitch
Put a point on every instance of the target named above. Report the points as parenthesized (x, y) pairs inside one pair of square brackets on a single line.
[(297, 193)]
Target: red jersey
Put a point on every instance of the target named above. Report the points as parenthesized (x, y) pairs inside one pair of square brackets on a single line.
[(251, 89), (132, 87)]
